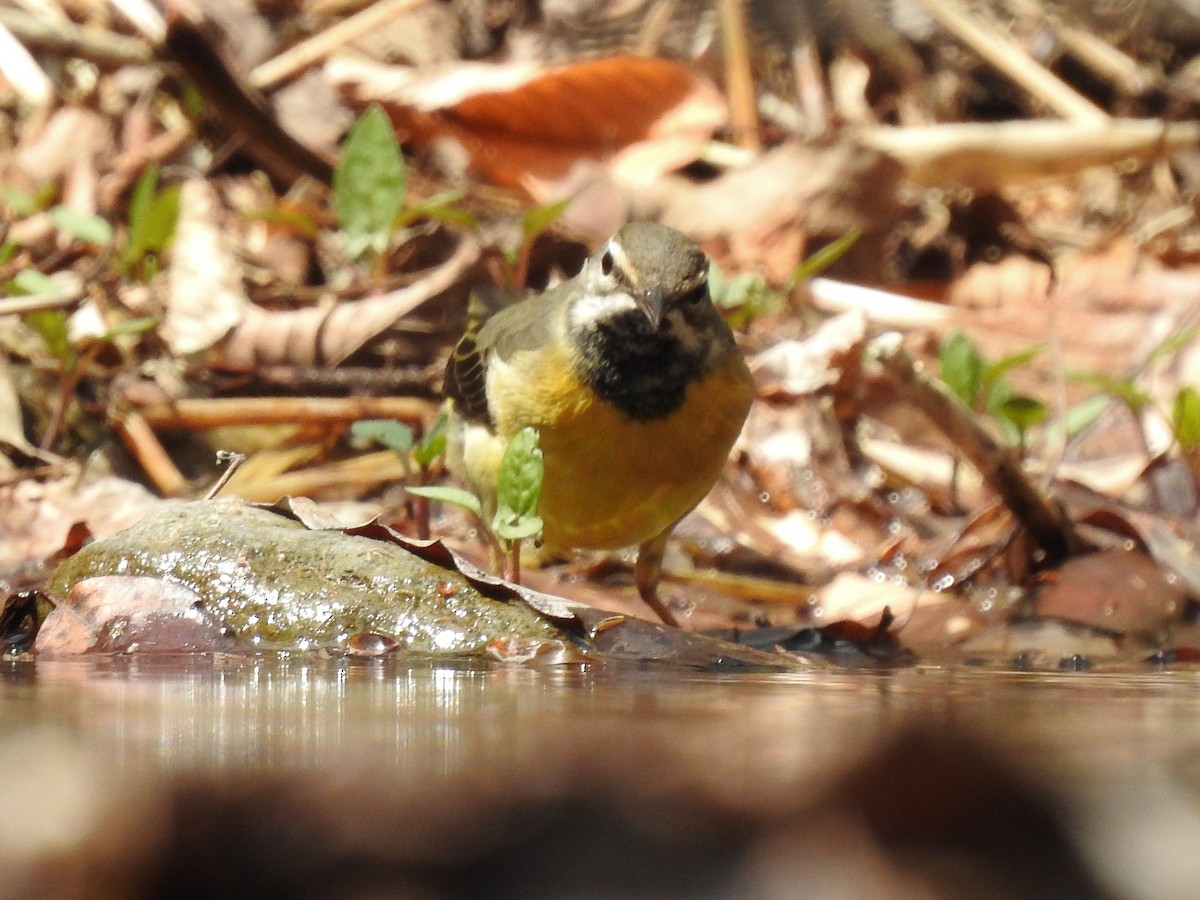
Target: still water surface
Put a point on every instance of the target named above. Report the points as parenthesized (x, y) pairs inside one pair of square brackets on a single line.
[(1117, 756), (201, 712)]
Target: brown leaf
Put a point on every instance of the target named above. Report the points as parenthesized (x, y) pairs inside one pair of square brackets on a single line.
[(526, 128), (205, 294), (329, 335), (1115, 590), (123, 614)]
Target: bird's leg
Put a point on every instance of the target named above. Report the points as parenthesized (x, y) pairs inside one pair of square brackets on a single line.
[(512, 562), (647, 572)]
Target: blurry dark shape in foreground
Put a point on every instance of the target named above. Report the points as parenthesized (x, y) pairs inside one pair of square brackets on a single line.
[(926, 814)]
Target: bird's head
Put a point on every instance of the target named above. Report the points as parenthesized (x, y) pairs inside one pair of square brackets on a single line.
[(645, 268)]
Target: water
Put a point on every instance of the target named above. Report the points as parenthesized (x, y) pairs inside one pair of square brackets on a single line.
[(1115, 758)]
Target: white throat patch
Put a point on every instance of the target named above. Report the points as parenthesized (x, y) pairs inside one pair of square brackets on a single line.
[(591, 308)]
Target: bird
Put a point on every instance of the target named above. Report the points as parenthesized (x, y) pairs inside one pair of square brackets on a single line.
[(634, 384)]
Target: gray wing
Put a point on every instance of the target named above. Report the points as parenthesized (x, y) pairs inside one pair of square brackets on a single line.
[(526, 325)]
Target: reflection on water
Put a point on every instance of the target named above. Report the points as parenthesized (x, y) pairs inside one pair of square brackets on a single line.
[(273, 712), (846, 784)]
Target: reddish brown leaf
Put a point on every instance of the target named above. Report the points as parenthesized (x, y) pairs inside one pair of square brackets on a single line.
[(527, 128), (1115, 590)]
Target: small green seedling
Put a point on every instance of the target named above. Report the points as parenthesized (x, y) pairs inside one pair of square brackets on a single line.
[(153, 215), (88, 228), (369, 190), (1137, 401), (822, 259), (518, 492), (368, 184), (985, 389), (387, 433), (1185, 419), (534, 223), (743, 298), (519, 488), (746, 296)]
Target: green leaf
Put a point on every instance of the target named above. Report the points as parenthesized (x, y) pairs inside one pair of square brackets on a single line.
[(1084, 413), (961, 367), (999, 393), (368, 183), (823, 258), (29, 282), (1000, 368), (139, 210), (19, 203), (542, 217), (51, 326), (1185, 418), (1022, 411), (129, 327), (161, 219), (153, 215), (442, 207), (386, 432), (742, 298), (1122, 389), (433, 442), (86, 227), (519, 488), (444, 493), (1171, 344)]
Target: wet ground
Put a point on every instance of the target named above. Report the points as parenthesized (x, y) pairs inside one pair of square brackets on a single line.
[(302, 777)]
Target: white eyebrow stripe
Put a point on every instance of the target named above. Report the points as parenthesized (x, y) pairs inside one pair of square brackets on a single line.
[(621, 261)]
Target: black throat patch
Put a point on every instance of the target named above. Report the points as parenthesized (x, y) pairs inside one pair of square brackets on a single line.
[(643, 372)]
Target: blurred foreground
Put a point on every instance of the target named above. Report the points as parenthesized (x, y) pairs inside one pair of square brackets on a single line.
[(204, 777)]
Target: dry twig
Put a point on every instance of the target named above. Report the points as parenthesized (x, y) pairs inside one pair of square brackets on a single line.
[(1037, 513), (1010, 58)]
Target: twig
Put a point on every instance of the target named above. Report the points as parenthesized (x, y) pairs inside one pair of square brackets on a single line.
[(200, 414), (1102, 58), (68, 39), (1037, 513), (287, 64), (143, 445), (811, 92), (242, 114), (60, 299), (347, 476), (1006, 55), (144, 17), (881, 307), (232, 461), (20, 69), (997, 154), (739, 82), (655, 25)]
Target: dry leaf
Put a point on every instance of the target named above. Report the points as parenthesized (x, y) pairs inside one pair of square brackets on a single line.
[(862, 599), (124, 614), (309, 336), (527, 127), (205, 296), (800, 368), (1116, 591)]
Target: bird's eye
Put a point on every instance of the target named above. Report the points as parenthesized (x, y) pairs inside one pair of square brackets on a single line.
[(606, 263), (696, 294)]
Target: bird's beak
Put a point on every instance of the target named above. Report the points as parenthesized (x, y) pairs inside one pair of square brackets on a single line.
[(650, 302)]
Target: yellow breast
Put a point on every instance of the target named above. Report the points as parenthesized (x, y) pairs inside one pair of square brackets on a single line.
[(610, 481)]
